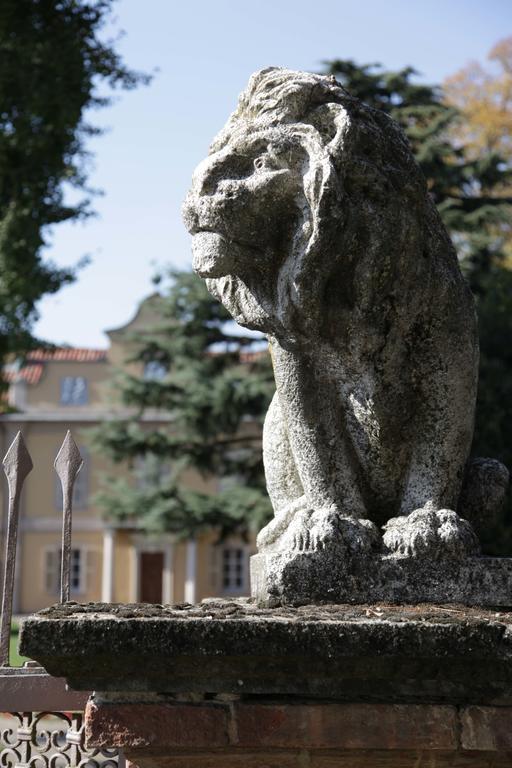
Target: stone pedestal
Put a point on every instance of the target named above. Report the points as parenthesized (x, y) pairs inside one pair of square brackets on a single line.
[(227, 684), (300, 578)]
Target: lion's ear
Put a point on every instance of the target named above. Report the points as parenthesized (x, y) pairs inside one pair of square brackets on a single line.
[(332, 122)]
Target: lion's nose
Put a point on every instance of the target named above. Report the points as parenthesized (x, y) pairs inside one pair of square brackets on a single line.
[(208, 179), (209, 173), (189, 214)]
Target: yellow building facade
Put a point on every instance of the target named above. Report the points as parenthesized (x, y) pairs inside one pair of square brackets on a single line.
[(74, 389)]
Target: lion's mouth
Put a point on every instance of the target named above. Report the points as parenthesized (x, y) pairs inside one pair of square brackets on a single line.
[(211, 254), (237, 242), (215, 255)]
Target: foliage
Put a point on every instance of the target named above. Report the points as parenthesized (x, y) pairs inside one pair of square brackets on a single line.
[(484, 97), (52, 62), (15, 659), (217, 390)]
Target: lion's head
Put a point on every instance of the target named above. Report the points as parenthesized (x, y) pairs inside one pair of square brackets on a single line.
[(305, 195)]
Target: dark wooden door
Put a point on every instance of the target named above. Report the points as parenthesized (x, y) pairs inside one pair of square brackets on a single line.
[(151, 572)]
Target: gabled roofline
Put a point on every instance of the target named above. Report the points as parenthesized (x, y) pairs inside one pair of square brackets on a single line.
[(119, 330)]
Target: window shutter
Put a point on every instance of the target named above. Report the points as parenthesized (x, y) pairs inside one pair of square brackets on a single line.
[(91, 568), (214, 567), (51, 571)]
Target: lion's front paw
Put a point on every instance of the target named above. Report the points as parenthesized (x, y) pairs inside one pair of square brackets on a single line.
[(429, 534), (272, 536), (321, 529)]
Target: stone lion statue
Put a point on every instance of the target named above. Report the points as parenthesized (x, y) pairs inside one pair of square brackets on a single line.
[(312, 223)]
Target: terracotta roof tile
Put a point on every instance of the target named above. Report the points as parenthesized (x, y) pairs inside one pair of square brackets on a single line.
[(251, 357), (30, 373), (68, 354), (33, 369)]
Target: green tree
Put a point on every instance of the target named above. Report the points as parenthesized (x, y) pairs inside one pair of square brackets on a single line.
[(52, 66), (205, 374), (470, 190)]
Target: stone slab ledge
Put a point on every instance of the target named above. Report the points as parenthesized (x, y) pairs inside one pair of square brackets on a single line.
[(387, 653)]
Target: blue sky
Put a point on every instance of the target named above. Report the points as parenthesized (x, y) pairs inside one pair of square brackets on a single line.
[(205, 52)]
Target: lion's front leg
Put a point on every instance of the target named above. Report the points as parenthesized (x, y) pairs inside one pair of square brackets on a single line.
[(283, 482), (313, 416), (282, 479), (297, 524)]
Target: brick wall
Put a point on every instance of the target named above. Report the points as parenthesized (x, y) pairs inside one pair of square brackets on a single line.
[(265, 734)]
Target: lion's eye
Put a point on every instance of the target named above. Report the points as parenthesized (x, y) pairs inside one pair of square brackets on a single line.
[(259, 163)]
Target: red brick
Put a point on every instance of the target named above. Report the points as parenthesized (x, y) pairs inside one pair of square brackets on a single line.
[(346, 726), (155, 725), (224, 759), (487, 728), (357, 758), (407, 759)]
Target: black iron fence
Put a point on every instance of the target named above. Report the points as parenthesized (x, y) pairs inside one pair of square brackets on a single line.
[(41, 721)]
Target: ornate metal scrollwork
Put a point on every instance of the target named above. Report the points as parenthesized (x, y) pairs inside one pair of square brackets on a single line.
[(50, 740)]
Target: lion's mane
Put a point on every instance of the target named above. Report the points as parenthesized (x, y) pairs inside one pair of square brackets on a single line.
[(367, 213)]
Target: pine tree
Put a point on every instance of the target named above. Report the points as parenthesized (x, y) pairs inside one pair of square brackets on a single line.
[(207, 374)]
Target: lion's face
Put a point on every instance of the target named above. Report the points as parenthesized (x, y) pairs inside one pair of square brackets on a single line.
[(238, 200), (242, 210)]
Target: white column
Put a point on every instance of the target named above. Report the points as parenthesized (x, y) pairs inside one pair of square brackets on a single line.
[(168, 575), (107, 572), (134, 573), (190, 571), (17, 394)]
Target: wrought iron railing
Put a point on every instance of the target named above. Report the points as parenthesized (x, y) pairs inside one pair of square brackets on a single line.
[(50, 740), (41, 721)]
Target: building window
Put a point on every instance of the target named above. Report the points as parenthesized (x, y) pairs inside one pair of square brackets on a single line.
[(154, 370), (52, 571), (80, 488), (234, 568), (73, 390)]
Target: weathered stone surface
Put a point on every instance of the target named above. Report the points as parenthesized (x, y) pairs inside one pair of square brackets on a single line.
[(377, 653), (313, 224), (487, 728), (323, 577)]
